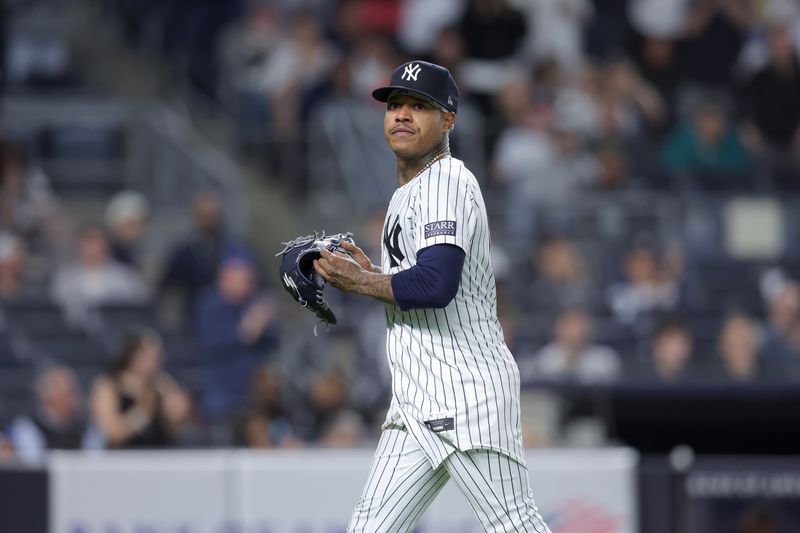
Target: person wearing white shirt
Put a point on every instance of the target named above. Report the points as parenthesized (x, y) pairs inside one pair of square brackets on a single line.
[(572, 355), (57, 422)]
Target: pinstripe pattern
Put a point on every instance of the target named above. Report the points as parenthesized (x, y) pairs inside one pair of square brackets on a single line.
[(402, 484), (447, 363), (450, 362)]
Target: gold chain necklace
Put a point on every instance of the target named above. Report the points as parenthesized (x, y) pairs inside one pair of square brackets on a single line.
[(445, 152)]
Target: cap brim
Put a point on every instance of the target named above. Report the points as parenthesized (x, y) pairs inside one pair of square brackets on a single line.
[(382, 94)]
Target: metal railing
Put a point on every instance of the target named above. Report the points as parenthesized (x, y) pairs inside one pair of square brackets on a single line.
[(157, 151)]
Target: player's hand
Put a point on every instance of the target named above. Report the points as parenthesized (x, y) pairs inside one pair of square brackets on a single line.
[(340, 270), (360, 257)]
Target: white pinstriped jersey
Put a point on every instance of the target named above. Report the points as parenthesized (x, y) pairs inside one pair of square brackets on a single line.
[(452, 362)]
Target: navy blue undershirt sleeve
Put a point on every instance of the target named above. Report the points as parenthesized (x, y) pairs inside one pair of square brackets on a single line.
[(433, 281)]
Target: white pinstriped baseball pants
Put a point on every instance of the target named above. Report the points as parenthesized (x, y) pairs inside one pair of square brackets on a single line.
[(402, 484)]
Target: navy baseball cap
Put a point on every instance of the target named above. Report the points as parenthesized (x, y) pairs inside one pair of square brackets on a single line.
[(427, 80)]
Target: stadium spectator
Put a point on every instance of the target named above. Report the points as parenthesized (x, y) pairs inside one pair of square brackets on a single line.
[(297, 64), (628, 105), (606, 34), (327, 396), (659, 61), (650, 285), (769, 93), (126, 219), (253, 430), (57, 423), (345, 430), (334, 91), (556, 32), (548, 80), (544, 169), (245, 48), (193, 260), (344, 23), (671, 357), (716, 30), (571, 353), (772, 109), (370, 64), (235, 326), (791, 367), (421, 20), (574, 127), (6, 450), (783, 312), (95, 278), (561, 279), (496, 30), (737, 348), (448, 51), (614, 165), (246, 45), (707, 153), (627, 110), (659, 18), (38, 50), (28, 205), (379, 17), (18, 278), (137, 404), (267, 421), (515, 100), (12, 259), (497, 33)]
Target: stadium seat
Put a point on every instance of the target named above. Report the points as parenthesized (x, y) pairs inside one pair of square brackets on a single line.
[(179, 349), (37, 318), (74, 349), (728, 285), (16, 385), (83, 160), (87, 373), (13, 406), (121, 316), (609, 332), (9, 355)]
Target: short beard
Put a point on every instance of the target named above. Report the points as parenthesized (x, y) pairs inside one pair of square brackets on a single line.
[(409, 168)]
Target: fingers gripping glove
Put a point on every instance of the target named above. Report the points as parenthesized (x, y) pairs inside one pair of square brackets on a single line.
[(298, 275)]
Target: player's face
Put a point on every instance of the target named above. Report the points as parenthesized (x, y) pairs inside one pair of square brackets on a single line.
[(413, 127)]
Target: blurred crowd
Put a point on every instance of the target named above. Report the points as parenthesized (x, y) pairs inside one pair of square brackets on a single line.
[(684, 99), (189, 354), (573, 94)]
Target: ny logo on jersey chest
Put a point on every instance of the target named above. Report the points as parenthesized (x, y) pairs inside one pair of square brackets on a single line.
[(391, 240)]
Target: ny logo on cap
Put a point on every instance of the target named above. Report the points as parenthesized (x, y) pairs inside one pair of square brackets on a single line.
[(411, 72)]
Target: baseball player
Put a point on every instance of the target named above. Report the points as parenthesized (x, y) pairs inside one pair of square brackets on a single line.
[(455, 404)]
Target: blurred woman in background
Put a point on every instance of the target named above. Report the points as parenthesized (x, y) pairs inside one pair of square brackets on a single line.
[(137, 405)]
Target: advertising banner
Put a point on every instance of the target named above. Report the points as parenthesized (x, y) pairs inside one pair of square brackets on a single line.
[(140, 492), (309, 491), (741, 495)]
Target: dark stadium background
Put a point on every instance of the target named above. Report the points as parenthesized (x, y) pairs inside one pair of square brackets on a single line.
[(641, 165)]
